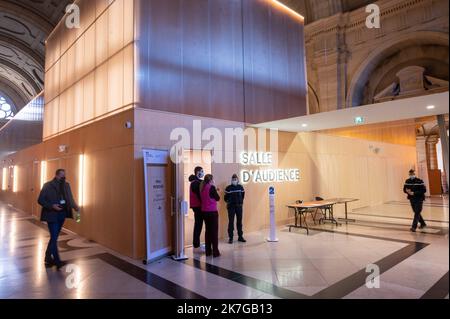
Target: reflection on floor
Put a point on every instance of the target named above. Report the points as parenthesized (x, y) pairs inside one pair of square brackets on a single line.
[(329, 263)]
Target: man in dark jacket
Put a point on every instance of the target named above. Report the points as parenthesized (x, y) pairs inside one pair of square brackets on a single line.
[(416, 189), (234, 197), (196, 204), (57, 204)]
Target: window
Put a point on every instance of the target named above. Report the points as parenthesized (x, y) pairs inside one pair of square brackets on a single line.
[(6, 109)]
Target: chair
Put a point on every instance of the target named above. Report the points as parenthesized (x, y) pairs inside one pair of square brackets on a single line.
[(324, 210), (312, 211)]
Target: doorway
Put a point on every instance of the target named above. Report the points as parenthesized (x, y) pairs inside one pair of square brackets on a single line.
[(192, 159)]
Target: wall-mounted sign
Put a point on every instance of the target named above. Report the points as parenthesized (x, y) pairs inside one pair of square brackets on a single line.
[(359, 120), (156, 157), (256, 159), (265, 175)]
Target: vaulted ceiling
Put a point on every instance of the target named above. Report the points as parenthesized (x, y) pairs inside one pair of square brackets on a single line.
[(24, 27), (314, 10)]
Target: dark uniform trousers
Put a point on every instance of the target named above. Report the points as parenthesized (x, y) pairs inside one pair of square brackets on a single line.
[(232, 212), (417, 206), (198, 225), (211, 232)]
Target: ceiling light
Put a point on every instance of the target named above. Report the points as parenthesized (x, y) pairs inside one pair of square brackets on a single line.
[(431, 107), (305, 125)]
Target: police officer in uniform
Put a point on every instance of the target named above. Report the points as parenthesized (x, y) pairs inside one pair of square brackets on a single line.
[(416, 189), (234, 197)]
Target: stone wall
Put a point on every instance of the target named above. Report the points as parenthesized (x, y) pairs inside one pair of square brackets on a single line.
[(349, 64)]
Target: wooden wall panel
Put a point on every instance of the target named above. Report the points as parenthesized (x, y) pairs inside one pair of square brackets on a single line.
[(107, 214), (275, 78), (91, 60), (233, 60), (397, 132)]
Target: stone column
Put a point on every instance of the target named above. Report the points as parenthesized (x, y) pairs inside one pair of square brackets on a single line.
[(432, 152), (422, 163)]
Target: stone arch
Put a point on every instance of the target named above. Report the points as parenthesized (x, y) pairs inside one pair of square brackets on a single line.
[(355, 95)]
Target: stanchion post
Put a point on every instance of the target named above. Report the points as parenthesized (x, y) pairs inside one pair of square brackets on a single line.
[(273, 225)]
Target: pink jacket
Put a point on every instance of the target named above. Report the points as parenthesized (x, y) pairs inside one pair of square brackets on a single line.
[(209, 198)]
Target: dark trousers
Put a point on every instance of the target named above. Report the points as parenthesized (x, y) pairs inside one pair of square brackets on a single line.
[(51, 254), (235, 211), (211, 232), (417, 207), (198, 225)]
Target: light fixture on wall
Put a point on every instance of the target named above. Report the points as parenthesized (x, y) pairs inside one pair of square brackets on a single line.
[(81, 162), (291, 11), (15, 179), (63, 148), (5, 179), (43, 173)]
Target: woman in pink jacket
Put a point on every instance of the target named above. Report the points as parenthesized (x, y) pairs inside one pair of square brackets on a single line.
[(209, 198)]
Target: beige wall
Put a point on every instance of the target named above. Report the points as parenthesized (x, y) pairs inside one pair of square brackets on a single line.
[(330, 166)]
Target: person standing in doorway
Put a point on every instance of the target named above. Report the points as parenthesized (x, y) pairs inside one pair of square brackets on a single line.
[(196, 204), (57, 204), (234, 197), (416, 189), (210, 196)]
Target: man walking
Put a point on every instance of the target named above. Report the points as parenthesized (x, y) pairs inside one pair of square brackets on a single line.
[(416, 189), (234, 197), (57, 204)]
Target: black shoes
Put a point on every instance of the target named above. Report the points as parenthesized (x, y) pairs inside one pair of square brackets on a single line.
[(241, 239), (420, 227), (49, 263), (60, 265)]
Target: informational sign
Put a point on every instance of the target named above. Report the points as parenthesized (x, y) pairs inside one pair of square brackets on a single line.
[(273, 225), (158, 191), (156, 157), (268, 175)]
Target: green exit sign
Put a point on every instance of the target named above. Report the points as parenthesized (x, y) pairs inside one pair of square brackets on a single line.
[(359, 120)]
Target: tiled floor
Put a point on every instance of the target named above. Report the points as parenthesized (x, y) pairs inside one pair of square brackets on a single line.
[(329, 263)]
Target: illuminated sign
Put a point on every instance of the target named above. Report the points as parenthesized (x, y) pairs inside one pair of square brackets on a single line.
[(269, 175), (359, 120)]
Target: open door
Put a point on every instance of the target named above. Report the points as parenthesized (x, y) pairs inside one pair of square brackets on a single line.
[(158, 175), (181, 204), (193, 158)]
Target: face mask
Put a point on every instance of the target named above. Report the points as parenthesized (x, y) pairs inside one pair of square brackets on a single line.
[(200, 175), (234, 182), (412, 177), (62, 180)]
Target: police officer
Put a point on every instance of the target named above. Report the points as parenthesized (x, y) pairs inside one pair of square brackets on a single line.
[(416, 189), (234, 197)]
